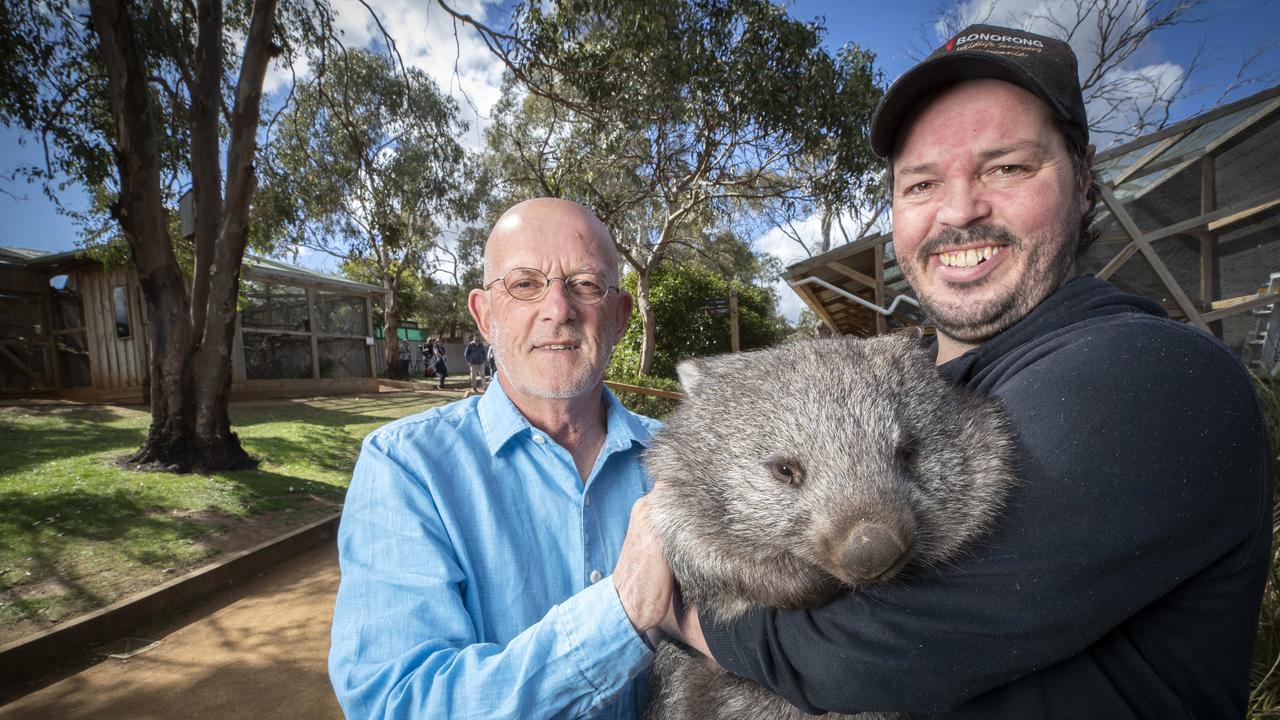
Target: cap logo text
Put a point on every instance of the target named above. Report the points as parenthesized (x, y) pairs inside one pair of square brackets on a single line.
[(964, 39)]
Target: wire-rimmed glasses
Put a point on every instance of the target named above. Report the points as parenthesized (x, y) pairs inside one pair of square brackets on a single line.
[(531, 284)]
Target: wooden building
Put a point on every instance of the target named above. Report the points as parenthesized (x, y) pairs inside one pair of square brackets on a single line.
[(72, 328), (1190, 217)]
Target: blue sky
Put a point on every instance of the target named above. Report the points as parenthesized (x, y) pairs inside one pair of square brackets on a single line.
[(896, 31)]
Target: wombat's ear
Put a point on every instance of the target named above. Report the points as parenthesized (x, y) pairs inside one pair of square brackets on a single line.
[(690, 374)]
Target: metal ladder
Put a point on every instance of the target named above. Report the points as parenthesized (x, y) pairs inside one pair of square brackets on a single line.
[(1261, 349)]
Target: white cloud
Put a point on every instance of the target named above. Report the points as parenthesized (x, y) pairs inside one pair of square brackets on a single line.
[(427, 39), (777, 243), (785, 248), (1142, 85)]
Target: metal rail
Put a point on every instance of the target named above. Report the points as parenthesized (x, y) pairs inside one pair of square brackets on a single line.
[(893, 306)]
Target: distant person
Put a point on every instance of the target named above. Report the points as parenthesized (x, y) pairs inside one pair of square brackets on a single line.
[(484, 573), (1125, 576), (475, 356), (436, 361), (406, 356), (491, 363)]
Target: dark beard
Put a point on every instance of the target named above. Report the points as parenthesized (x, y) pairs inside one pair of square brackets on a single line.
[(979, 324)]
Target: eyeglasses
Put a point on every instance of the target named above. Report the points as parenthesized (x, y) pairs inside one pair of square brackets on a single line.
[(530, 284)]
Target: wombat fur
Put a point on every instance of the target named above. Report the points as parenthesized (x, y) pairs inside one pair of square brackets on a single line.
[(809, 469)]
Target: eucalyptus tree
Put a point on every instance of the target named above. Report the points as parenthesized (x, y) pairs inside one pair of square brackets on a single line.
[(136, 100), (368, 160), (671, 118)]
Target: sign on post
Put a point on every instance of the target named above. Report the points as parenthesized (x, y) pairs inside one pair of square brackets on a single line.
[(717, 307), (726, 307)]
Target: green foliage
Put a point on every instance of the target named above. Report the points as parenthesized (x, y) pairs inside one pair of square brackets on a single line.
[(366, 165), (673, 120), (649, 405), (678, 293), (679, 82), (407, 291), (53, 87)]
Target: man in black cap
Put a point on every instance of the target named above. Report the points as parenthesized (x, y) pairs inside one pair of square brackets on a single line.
[(1125, 578)]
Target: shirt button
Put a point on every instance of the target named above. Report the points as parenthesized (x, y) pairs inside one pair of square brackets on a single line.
[(539, 439), (595, 576)]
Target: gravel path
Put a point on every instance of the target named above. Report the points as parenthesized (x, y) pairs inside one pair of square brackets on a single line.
[(257, 651)]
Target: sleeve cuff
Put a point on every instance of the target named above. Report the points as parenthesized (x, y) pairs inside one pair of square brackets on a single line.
[(604, 646), (719, 639)]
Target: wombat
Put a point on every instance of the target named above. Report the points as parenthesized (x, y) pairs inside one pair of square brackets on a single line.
[(798, 472)]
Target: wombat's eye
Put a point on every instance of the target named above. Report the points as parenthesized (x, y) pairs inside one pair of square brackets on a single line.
[(786, 471)]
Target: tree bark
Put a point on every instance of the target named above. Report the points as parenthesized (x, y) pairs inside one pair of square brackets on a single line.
[(647, 321), (143, 221), (217, 447), (206, 171), (391, 329), (191, 341)]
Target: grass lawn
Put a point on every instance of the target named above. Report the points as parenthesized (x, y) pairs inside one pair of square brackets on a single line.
[(77, 532)]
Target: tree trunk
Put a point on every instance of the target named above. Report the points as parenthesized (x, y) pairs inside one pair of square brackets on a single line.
[(217, 448), (143, 221), (190, 387), (647, 322), (828, 214), (391, 328)]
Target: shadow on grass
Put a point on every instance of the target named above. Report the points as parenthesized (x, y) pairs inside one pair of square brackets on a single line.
[(332, 412), (25, 445), (44, 528), (260, 491), (330, 448)]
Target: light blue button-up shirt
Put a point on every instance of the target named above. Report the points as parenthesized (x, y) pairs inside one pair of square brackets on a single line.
[(477, 570)]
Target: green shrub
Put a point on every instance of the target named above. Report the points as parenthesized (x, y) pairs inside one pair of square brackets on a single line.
[(649, 405)]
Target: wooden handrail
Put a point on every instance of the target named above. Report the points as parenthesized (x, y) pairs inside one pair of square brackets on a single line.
[(639, 390)]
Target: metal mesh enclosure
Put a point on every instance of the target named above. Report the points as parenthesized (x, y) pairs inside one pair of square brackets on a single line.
[(1228, 165)]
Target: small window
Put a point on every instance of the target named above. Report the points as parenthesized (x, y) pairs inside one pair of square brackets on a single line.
[(120, 301)]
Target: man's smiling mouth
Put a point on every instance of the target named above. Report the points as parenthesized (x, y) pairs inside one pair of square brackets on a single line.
[(970, 257)]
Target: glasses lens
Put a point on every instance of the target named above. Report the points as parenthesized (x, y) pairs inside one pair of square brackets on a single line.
[(587, 287), (525, 283)]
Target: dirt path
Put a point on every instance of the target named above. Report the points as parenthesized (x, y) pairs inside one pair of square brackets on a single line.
[(257, 651)]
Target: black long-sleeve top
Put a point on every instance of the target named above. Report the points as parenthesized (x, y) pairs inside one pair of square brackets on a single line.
[(1124, 579)]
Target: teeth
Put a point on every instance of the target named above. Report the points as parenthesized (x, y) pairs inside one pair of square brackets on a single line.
[(968, 258)]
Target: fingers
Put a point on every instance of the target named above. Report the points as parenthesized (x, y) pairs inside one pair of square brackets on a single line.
[(642, 578)]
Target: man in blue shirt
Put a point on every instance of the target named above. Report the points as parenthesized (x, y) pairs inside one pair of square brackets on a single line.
[(478, 540)]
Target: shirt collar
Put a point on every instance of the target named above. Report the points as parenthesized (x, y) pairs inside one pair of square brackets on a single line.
[(502, 420)]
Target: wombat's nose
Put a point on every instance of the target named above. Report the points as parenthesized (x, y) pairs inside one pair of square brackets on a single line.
[(874, 551)]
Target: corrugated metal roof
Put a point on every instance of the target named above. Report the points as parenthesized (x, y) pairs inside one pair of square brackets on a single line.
[(253, 264)]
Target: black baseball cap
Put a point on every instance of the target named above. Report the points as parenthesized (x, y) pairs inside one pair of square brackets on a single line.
[(1042, 65)]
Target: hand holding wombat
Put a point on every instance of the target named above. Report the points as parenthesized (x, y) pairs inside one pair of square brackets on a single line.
[(798, 472)]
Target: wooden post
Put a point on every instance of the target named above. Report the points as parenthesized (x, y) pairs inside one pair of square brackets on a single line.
[(1208, 240), (51, 341), (733, 321), (881, 296), (315, 345), (368, 329), (1143, 243)]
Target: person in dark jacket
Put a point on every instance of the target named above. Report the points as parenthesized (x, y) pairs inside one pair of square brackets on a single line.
[(1125, 578), (435, 352), (476, 356)]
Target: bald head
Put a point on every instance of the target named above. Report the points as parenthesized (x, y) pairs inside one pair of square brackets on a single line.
[(542, 226), (553, 347)]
